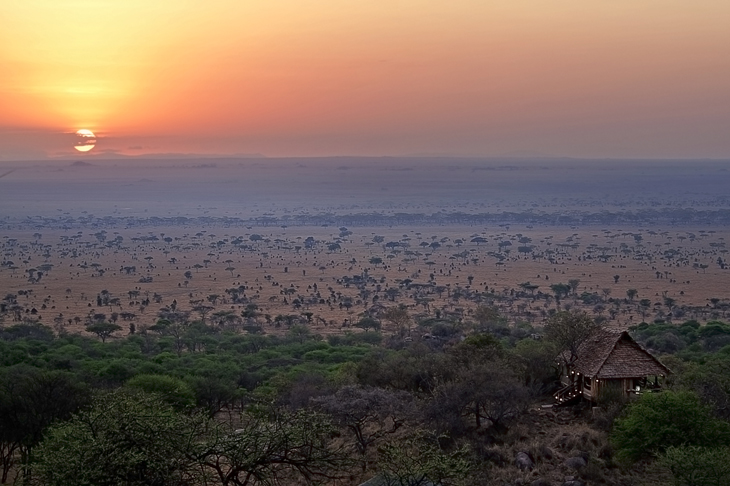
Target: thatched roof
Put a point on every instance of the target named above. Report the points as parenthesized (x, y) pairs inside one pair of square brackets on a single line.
[(611, 355)]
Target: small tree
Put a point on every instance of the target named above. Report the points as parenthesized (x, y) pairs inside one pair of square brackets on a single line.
[(172, 390), (30, 401), (631, 294), (368, 413), (103, 329), (418, 460), (560, 290), (368, 322), (568, 330), (398, 315), (486, 315), (272, 447)]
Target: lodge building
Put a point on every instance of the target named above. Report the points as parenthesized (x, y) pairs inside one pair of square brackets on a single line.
[(609, 362)]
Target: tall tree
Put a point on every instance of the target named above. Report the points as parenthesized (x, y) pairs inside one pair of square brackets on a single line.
[(568, 330)]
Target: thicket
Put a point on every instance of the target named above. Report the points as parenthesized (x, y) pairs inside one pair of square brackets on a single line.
[(226, 408)]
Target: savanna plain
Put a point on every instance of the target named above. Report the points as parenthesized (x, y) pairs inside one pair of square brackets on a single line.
[(340, 320)]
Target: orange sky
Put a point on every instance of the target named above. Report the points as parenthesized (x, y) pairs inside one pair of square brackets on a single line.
[(585, 78)]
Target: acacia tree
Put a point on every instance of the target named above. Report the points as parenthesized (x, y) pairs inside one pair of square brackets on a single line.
[(398, 316), (631, 294), (568, 330), (368, 322), (176, 326), (487, 315), (560, 290), (368, 413), (272, 447), (488, 391), (103, 329), (478, 380), (418, 460)]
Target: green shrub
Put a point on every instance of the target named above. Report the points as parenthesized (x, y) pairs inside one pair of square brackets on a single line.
[(172, 390), (659, 421), (698, 466)]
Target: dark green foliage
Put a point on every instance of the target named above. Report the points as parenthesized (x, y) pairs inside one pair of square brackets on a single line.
[(698, 466), (690, 336), (124, 439), (229, 360), (710, 380), (33, 331), (172, 391), (668, 419), (538, 365), (30, 401), (368, 322), (213, 394)]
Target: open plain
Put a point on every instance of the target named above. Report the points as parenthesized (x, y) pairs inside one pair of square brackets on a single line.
[(262, 245)]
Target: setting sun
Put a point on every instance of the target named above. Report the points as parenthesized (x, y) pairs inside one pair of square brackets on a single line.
[(283, 77), (85, 140)]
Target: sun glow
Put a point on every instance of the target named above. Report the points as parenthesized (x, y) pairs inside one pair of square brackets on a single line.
[(85, 140), (286, 77)]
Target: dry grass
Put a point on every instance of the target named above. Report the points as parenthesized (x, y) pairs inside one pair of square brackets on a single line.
[(550, 438), (268, 269)]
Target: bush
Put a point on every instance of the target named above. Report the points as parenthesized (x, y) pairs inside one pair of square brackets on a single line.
[(700, 466), (173, 391), (657, 422), (124, 439)]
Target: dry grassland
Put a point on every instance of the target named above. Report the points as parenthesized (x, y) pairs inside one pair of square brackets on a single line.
[(446, 271)]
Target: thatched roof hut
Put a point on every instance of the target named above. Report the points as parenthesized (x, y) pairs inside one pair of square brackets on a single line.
[(609, 359)]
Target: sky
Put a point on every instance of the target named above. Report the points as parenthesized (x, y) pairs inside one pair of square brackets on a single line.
[(574, 78)]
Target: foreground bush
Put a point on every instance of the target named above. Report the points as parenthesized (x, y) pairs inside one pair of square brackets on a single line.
[(698, 466), (126, 438), (135, 439), (659, 421)]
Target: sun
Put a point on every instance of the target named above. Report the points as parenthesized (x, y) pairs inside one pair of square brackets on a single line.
[(85, 140)]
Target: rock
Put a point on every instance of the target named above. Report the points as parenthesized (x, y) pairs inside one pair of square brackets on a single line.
[(523, 461), (575, 463), (582, 454), (575, 482), (540, 482)]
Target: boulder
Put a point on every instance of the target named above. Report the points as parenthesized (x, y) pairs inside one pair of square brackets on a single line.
[(575, 463), (523, 461)]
